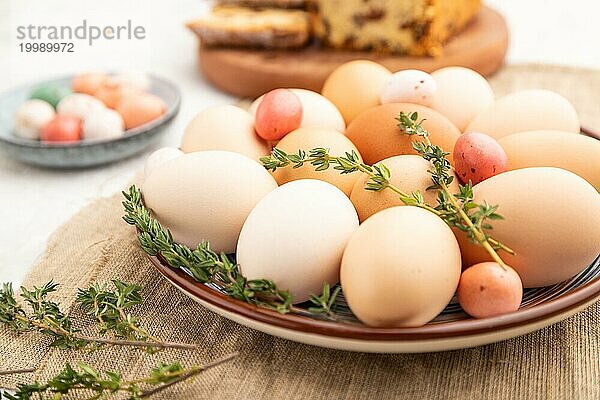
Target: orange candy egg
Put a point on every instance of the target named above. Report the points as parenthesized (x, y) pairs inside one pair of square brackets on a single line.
[(111, 93), (140, 108), (88, 83), (487, 289)]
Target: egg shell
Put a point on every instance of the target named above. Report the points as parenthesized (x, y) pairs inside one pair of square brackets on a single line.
[(356, 86), (88, 82), (62, 128), (551, 220), (111, 92), (317, 111), (376, 134), (79, 105), (103, 124), (139, 80), (461, 94), (159, 158), (309, 138), (400, 268), (408, 173), (51, 94), (224, 128), (477, 157), (576, 153), (206, 195), (529, 110), (409, 86), (140, 109), (30, 117), (278, 240)]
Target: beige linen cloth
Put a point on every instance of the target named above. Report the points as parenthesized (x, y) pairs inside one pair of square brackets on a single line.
[(559, 362)]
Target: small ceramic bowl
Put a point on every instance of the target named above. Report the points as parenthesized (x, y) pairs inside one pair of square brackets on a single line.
[(86, 153)]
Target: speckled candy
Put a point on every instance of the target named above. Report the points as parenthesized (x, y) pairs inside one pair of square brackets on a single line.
[(51, 94), (62, 128), (30, 117), (409, 86), (478, 157), (140, 109), (88, 82), (103, 124), (79, 105)]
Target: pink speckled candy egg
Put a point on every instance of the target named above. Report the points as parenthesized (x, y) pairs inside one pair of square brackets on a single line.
[(409, 86), (478, 157), (279, 113)]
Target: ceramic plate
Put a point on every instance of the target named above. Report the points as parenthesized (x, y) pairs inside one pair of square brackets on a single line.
[(85, 153), (451, 330)]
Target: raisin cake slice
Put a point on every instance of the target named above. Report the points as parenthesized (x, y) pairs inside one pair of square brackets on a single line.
[(266, 3), (414, 27), (235, 26)]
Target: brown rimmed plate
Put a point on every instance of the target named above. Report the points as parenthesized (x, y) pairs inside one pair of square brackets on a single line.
[(451, 330)]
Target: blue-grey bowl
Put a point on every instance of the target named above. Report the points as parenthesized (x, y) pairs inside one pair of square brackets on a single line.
[(86, 153)]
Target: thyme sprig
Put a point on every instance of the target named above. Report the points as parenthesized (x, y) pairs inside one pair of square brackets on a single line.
[(16, 371), (457, 209), (46, 317), (379, 179), (379, 174), (95, 384), (109, 308), (206, 266)]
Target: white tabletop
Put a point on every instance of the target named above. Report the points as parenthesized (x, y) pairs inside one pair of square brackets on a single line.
[(34, 202)]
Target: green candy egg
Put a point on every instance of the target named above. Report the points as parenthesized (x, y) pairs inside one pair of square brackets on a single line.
[(52, 94)]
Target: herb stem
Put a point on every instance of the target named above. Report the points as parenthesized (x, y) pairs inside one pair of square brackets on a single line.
[(54, 328), (479, 236), (183, 375), (17, 371), (477, 231), (396, 189)]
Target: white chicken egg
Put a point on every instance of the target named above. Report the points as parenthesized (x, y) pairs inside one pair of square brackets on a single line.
[(103, 124), (79, 105), (461, 94), (279, 241), (30, 117), (226, 127), (206, 195), (529, 110), (159, 157), (317, 111), (409, 86)]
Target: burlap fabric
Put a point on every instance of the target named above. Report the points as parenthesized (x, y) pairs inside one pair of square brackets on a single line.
[(559, 362)]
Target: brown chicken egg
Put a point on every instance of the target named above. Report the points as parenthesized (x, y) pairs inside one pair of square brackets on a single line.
[(376, 134), (400, 268), (576, 153), (309, 138), (551, 220), (408, 173), (355, 87)]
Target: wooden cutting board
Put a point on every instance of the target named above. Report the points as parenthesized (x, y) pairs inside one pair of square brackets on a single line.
[(481, 46)]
